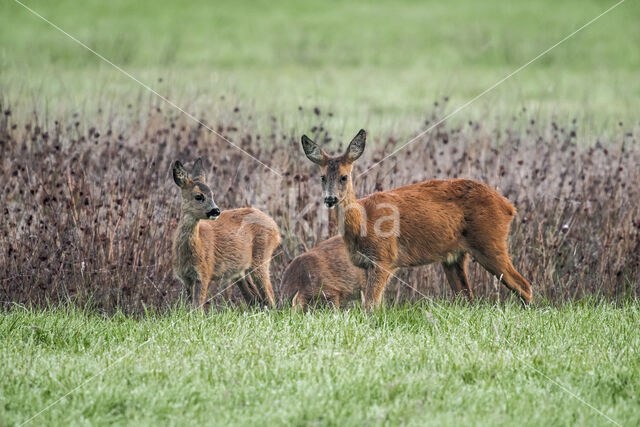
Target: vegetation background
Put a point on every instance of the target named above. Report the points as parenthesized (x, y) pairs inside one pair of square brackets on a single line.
[(89, 208)]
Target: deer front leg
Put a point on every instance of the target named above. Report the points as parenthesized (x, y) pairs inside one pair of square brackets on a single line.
[(200, 288), (188, 280), (187, 291), (377, 278)]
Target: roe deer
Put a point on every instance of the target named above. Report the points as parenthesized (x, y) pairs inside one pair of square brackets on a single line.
[(323, 273), (214, 245), (432, 221)]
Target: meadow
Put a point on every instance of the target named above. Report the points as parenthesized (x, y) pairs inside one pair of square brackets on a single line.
[(89, 208), (433, 363)]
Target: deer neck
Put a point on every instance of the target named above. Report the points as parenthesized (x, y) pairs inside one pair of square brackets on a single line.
[(350, 210), (187, 238)]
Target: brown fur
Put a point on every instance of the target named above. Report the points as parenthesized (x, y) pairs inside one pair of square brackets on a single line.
[(237, 245), (324, 273), (439, 221)]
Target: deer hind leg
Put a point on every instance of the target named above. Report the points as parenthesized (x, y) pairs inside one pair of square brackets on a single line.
[(335, 301), (456, 273), (299, 302), (377, 278), (496, 260), (263, 283), (248, 290)]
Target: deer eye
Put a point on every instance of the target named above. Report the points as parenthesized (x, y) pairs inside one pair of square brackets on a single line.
[(344, 178), (199, 197), (323, 178)]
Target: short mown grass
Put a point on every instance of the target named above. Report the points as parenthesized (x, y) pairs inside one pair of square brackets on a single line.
[(432, 363)]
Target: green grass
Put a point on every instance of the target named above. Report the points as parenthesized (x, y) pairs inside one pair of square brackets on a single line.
[(378, 65), (428, 364)]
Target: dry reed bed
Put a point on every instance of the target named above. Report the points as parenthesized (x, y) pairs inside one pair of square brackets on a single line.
[(89, 206)]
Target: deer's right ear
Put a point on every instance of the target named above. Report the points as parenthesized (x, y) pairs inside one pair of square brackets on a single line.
[(180, 175), (313, 152), (197, 173)]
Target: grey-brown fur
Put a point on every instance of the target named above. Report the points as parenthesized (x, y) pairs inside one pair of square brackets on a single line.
[(237, 245)]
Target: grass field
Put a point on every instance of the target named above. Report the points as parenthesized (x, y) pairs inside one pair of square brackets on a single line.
[(428, 364)]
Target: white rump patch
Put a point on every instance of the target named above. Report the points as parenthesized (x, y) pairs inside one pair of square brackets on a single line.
[(451, 258)]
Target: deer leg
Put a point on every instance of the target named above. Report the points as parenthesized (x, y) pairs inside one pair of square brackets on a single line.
[(377, 278), (246, 290), (261, 278), (200, 292), (335, 300), (456, 273), (252, 287), (497, 262), (187, 291), (256, 295), (299, 303)]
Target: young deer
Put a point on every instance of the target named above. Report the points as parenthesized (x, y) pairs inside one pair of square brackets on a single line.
[(210, 245), (432, 221), (323, 273)]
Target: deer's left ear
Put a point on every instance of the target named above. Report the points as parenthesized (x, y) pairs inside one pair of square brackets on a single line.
[(197, 173), (356, 146), (180, 175)]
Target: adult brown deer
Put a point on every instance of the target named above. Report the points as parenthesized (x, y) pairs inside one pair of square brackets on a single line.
[(324, 273), (210, 245), (432, 221)]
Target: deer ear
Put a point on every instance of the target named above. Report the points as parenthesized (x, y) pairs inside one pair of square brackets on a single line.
[(356, 146), (197, 173), (313, 152), (180, 175)]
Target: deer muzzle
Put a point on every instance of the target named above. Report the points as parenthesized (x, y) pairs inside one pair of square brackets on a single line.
[(213, 213)]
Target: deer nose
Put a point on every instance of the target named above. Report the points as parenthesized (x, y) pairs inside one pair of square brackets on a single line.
[(330, 201), (213, 213)]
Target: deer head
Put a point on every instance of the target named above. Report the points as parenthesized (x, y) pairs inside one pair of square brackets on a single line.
[(336, 171), (197, 199)]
